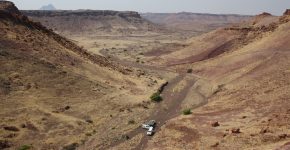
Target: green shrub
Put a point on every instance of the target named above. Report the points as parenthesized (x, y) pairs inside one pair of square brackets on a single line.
[(186, 112), (131, 122), (72, 146), (24, 147), (156, 97), (189, 70)]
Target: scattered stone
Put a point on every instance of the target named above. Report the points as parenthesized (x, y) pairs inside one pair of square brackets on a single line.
[(126, 137), (89, 121), (189, 70), (263, 131), (4, 53), (236, 130), (244, 117), (55, 111), (72, 146), (128, 70), (30, 126), (67, 107), (216, 144), (28, 86), (14, 76), (11, 128), (4, 144), (215, 124), (12, 135), (23, 125), (282, 136), (131, 121), (88, 134), (161, 88)]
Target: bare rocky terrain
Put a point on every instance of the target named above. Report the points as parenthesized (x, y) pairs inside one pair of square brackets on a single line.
[(194, 22), (56, 95), (100, 22), (83, 80)]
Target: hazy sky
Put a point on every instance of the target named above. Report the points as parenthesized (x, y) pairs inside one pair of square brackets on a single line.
[(250, 7)]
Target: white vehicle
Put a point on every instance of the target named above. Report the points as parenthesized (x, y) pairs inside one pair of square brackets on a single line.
[(151, 123), (150, 131), (145, 126)]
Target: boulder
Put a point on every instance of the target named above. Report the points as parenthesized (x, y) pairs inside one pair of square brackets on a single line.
[(9, 7), (215, 124), (236, 130), (11, 128)]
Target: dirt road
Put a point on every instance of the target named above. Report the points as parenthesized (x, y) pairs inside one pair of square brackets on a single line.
[(169, 108)]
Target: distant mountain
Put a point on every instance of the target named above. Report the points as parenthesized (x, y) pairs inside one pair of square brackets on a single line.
[(95, 21), (48, 7), (193, 21)]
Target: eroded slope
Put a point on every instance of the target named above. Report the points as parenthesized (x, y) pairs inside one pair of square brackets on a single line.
[(250, 109), (54, 93)]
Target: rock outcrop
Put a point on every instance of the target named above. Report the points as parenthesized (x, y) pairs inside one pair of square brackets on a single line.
[(96, 22), (8, 11), (9, 7), (287, 12)]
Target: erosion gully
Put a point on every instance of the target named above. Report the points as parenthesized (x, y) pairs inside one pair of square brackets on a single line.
[(171, 101)]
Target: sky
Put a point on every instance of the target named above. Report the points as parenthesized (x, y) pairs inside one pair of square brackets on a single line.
[(246, 7)]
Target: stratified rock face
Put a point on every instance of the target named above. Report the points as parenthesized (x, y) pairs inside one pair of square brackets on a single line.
[(287, 12), (196, 22), (124, 14), (96, 22), (9, 7)]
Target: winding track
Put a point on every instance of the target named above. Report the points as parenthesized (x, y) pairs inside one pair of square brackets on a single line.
[(169, 108)]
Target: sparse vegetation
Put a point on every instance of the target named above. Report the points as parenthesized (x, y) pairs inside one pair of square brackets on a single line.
[(131, 121), (155, 97), (72, 146), (24, 147), (186, 112), (89, 120), (88, 134)]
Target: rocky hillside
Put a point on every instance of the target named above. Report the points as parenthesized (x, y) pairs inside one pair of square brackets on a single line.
[(224, 40), (58, 93), (93, 22), (193, 21), (247, 66)]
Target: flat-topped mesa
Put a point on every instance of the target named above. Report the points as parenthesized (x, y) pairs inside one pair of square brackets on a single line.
[(41, 13), (264, 14), (287, 12), (9, 7)]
